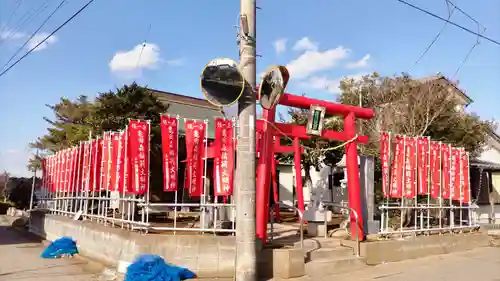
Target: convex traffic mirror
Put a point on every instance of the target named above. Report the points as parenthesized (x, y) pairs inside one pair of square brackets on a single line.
[(273, 86), (222, 83)]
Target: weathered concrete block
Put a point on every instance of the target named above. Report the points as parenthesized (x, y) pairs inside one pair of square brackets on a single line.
[(288, 263), (377, 252), (208, 256), (316, 229)]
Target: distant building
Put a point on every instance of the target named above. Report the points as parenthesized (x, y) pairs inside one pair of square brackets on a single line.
[(461, 97), (485, 180), (190, 108), (185, 107)]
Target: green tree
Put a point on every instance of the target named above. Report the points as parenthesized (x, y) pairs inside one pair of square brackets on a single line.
[(19, 191), (112, 111), (415, 108), (317, 151), (424, 107)]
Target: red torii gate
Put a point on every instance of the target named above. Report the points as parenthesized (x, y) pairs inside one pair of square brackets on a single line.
[(278, 148), (297, 132)]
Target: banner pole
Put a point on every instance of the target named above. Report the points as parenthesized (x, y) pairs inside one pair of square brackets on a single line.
[(428, 183), (404, 187), (177, 168), (148, 173)]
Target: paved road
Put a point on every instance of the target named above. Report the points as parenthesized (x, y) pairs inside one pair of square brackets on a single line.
[(20, 261), (480, 264)]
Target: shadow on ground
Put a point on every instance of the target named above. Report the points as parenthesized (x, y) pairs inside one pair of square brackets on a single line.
[(15, 234)]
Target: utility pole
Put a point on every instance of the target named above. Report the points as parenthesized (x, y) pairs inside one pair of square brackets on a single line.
[(246, 251), (33, 184)]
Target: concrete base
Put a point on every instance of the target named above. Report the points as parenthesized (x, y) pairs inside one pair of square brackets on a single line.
[(207, 255), (316, 229), (372, 227), (288, 263), (377, 252)]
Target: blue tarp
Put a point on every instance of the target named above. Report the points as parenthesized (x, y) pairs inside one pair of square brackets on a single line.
[(59, 247), (154, 268)]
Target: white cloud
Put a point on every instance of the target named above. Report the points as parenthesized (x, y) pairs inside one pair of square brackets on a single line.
[(142, 56), (38, 38), (280, 45), (363, 62), (10, 34), (305, 44), (327, 84), (11, 151), (311, 62), (13, 35)]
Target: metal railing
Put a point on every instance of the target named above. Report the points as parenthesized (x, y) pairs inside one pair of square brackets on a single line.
[(426, 218), (358, 244), (201, 209), (301, 221)]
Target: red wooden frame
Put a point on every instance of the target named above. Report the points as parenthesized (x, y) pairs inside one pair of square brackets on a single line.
[(266, 161)]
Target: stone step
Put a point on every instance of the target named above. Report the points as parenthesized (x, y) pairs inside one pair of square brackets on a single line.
[(326, 253), (318, 243), (331, 266)]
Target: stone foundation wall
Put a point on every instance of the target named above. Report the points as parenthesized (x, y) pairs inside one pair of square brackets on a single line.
[(207, 255)]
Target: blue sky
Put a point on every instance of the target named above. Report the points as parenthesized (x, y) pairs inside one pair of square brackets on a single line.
[(321, 41)]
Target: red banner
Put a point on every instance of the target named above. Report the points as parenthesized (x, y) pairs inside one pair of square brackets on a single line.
[(60, 188), (435, 167), (410, 168), (446, 170), (73, 170), (195, 134), (93, 166), (44, 172), (98, 164), (64, 170), (106, 158), (456, 174), (224, 160), (169, 135), (398, 168), (113, 161), (465, 176), (51, 165), (120, 165), (138, 143), (58, 171), (385, 147), (423, 165)]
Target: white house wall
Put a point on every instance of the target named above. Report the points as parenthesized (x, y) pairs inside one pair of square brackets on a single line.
[(490, 154), (287, 183)]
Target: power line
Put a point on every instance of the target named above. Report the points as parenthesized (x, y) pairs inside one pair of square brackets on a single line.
[(467, 15), (450, 13), (143, 46), (450, 22), (478, 39), (23, 21), (19, 2), (47, 37), (34, 33)]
